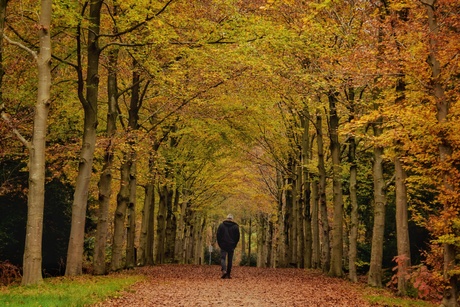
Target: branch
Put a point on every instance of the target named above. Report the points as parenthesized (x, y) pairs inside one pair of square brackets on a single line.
[(12, 42), (195, 96), (147, 19), (123, 45), (7, 119)]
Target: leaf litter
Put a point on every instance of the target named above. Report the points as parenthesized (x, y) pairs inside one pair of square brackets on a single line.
[(201, 285)]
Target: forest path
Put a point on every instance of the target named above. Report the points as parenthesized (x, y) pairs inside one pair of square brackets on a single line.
[(190, 285)]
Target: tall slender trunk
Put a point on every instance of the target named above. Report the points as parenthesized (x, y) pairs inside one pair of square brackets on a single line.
[(161, 225), (171, 226), (402, 226), (120, 214), (354, 215), (306, 191), (261, 241), (105, 181), (145, 249), (131, 215), (316, 252), (450, 295), (289, 217), (325, 252), (32, 268), (299, 217), (90, 105), (280, 247), (378, 230), (249, 241), (337, 230)]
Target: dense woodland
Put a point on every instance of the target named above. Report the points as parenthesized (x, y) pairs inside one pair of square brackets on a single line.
[(329, 128)]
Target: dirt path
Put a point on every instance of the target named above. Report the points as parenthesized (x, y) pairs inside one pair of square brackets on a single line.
[(185, 285)]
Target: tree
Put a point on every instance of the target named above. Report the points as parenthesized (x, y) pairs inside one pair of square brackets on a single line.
[(337, 234), (90, 107), (443, 105), (32, 267)]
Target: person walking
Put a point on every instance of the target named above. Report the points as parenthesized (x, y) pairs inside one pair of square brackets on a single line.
[(228, 236)]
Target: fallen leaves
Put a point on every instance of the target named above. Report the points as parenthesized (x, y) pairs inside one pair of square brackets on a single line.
[(188, 285)]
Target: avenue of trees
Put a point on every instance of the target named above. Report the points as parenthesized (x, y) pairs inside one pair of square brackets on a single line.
[(330, 129)]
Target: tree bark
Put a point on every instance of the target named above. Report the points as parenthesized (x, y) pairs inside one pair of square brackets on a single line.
[(354, 216), (131, 215), (161, 222), (337, 231), (306, 191), (145, 239), (134, 107), (105, 181), (90, 105), (316, 252), (116, 263), (450, 294), (402, 227), (325, 252), (375, 270), (32, 265)]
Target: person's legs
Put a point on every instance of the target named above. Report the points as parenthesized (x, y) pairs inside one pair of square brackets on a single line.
[(223, 261), (229, 263)]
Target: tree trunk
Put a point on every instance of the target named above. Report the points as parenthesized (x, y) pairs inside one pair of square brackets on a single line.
[(161, 222), (105, 181), (337, 231), (354, 215), (280, 222), (171, 228), (299, 218), (131, 212), (261, 241), (270, 244), (145, 239), (77, 229), (450, 295), (134, 107), (120, 214), (402, 226), (249, 241), (289, 216), (32, 265), (325, 253), (375, 270), (306, 191), (316, 252)]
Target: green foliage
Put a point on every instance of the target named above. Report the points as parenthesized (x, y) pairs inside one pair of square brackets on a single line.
[(75, 292)]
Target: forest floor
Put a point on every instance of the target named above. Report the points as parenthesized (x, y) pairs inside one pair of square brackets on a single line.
[(188, 285)]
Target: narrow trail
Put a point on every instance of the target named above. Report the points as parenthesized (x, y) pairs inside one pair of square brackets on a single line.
[(188, 285)]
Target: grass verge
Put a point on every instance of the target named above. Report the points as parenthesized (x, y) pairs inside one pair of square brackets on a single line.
[(73, 292), (382, 297)]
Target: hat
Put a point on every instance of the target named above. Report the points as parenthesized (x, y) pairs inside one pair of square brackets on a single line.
[(230, 217)]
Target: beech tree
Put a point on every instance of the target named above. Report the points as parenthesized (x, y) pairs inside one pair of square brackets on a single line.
[(89, 101), (32, 266)]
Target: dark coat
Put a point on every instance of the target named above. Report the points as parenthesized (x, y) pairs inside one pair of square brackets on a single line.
[(228, 235)]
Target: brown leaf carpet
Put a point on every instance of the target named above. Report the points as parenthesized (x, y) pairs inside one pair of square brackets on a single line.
[(189, 285)]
